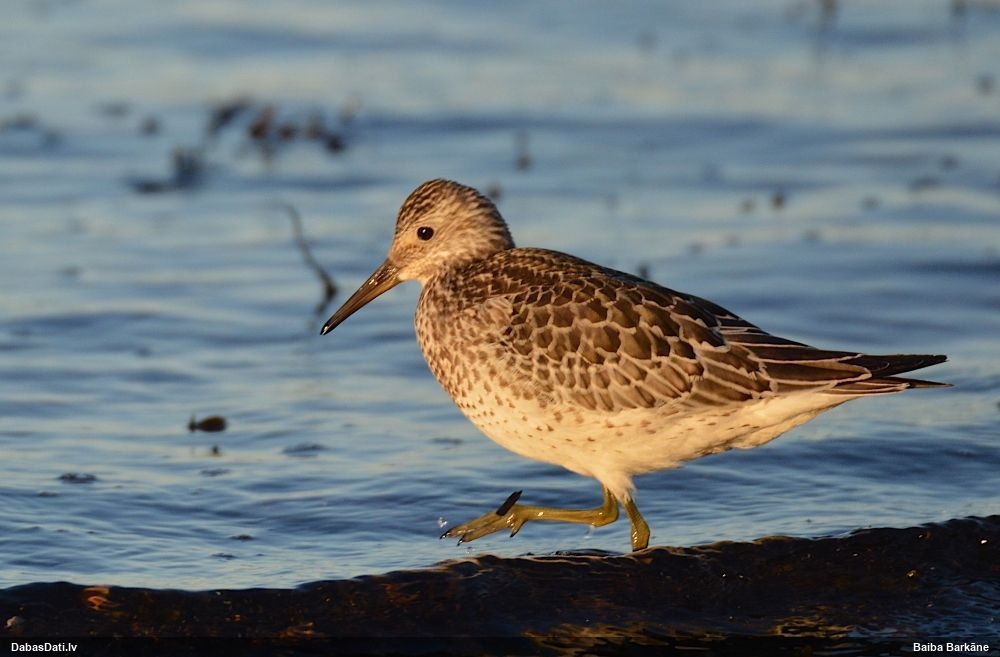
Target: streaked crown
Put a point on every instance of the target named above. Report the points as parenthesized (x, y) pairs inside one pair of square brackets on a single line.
[(443, 224)]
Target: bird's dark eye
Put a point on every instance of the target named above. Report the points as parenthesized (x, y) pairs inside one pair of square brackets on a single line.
[(425, 232)]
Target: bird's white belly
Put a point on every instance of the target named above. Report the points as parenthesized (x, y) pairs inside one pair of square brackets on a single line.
[(613, 447)]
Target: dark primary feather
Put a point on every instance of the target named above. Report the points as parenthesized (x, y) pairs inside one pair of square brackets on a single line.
[(789, 357)]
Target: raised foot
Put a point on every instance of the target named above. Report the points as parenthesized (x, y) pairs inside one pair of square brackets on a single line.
[(509, 515), (513, 516)]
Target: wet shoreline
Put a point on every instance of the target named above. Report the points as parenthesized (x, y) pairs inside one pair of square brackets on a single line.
[(866, 589)]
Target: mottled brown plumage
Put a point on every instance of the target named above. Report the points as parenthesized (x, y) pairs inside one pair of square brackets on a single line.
[(598, 371)]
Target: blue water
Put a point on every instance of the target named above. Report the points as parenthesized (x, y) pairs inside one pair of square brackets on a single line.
[(655, 138)]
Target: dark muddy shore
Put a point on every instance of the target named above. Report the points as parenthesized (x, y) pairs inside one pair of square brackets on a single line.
[(871, 590)]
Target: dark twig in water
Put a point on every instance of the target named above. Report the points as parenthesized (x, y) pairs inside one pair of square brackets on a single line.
[(329, 287), (508, 503)]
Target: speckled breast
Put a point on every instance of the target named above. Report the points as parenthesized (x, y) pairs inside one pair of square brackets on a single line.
[(456, 340)]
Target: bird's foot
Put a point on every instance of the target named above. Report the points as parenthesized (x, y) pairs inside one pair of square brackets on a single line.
[(640, 530), (508, 515), (512, 516)]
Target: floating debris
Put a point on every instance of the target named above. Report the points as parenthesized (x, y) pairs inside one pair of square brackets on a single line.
[(70, 271), (778, 200), (114, 109), (494, 191), (696, 248), (304, 449), (224, 114), (643, 270), (334, 143), (268, 135), (523, 160), (315, 128), (266, 132), (77, 478), (263, 128), (216, 451), (150, 126), (149, 186), (329, 287), (210, 424), (870, 203), (260, 128), (29, 124), (20, 122), (187, 173), (924, 183), (188, 167)]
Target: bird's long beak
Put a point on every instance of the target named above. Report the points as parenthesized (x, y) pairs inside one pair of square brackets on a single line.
[(384, 279)]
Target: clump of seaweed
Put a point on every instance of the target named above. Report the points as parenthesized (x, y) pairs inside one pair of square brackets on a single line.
[(263, 128)]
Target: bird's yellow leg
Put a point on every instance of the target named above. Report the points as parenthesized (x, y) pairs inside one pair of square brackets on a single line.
[(513, 516), (640, 530)]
